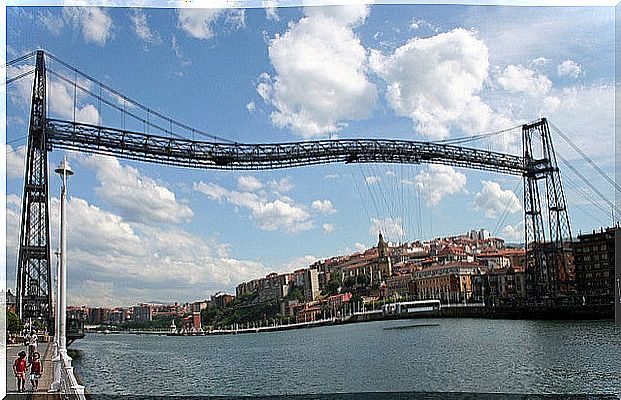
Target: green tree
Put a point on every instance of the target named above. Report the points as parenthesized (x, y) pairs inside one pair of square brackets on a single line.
[(333, 285), (363, 280), (349, 282), (13, 324), (296, 293)]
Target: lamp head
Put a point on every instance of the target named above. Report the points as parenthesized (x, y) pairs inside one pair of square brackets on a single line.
[(63, 167)]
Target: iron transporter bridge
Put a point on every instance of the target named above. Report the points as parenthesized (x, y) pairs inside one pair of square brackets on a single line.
[(547, 263)]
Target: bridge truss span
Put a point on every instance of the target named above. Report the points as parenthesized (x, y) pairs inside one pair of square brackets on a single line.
[(237, 156)]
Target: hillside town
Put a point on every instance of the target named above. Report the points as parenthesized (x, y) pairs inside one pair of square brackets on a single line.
[(464, 269)]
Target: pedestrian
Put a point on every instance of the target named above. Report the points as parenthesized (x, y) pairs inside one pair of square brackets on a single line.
[(19, 369), (36, 369), (32, 345)]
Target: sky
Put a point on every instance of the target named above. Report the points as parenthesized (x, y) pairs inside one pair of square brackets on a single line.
[(143, 232)]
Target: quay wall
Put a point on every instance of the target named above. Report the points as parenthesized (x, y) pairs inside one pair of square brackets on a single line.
[(550, 313)]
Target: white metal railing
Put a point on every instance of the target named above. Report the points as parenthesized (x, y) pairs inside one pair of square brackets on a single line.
[(68, 386), (69, 383)]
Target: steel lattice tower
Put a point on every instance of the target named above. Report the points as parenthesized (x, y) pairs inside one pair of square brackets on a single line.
[(34, 283), (548, 265)]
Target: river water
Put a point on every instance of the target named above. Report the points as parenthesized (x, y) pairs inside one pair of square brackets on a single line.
[(439, 355)]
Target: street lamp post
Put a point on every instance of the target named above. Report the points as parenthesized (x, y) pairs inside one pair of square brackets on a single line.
[(56, 305), (64, 171)]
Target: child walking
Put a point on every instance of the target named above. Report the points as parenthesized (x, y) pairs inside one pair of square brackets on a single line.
[(19, 369), (36, 369)]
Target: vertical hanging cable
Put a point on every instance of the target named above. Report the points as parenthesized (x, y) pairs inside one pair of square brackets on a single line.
[(75, 100), (99, 106), (364, 203)]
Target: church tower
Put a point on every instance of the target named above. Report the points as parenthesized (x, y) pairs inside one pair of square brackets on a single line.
[(383, 259)]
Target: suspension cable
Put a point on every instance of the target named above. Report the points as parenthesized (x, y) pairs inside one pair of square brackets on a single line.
[(18, 77), (466, 139), (505, 211), (109, 103), (584, 156), (588, 183), (135, 103), (364, 204), (19, 59), (585, 195)]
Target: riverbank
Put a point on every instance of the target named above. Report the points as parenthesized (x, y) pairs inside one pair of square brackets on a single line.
[(586, 312), (446, 311)]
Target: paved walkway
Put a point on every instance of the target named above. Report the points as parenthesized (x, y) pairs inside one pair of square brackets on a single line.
[(45, 349)]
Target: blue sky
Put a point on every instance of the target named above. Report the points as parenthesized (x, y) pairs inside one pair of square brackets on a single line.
[(141, 232)]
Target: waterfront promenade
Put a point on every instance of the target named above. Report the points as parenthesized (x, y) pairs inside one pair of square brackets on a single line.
[(46, 351)]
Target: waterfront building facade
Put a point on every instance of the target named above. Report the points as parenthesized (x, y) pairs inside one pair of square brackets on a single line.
[(507, 283), (141, 313), (594, 256), (399, 286), (447, 282), (311, 284), (221, 299)]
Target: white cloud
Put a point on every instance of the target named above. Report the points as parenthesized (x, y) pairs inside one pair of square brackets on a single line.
[(178, 53), (391, 228), (236, 18), (520, 79), (323, 207), (421, 23), (95, 23), (270, 215), (63, 103), (15, 161), (570, 111), (248, 183), (551, 104), (60, 91), (12, 200), (271, 13), (569, 68), (372, 180), (440, 181), (327, 228), (514, 233), (199, 22), (137, 197), (359, 247), (251, 107), (320, 81), (299, 263), (493, 200), (140, 25), (435, 81), (282, 185), (539, 61), (157, 262), (20, 91), (52, 22)]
